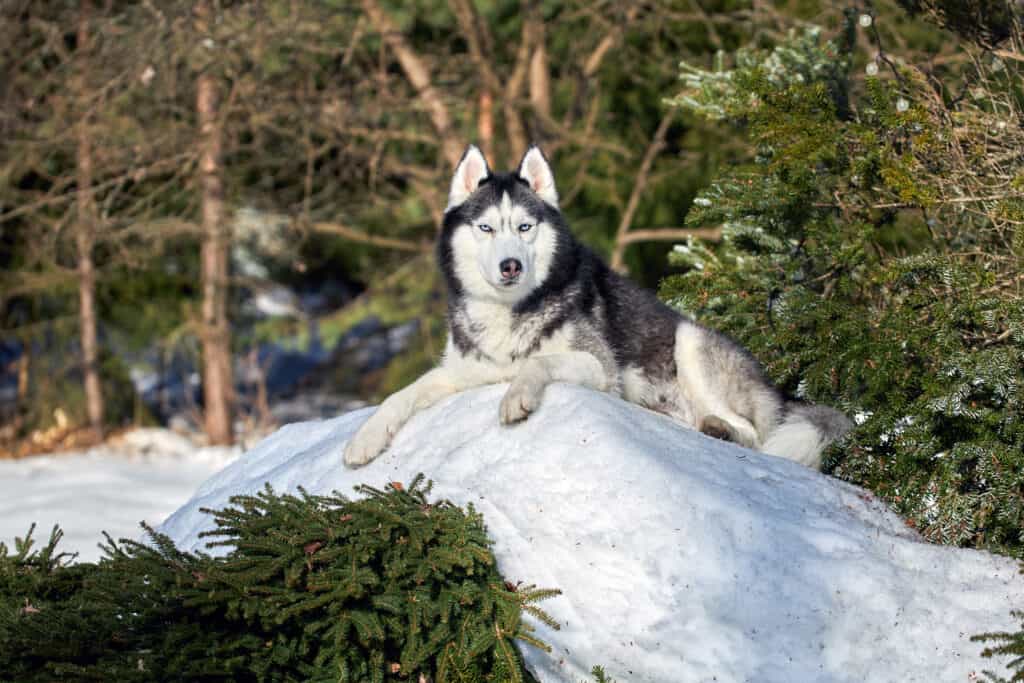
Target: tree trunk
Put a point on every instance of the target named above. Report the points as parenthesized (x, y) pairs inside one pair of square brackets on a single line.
[(515, 129), (540, 78), (485, 124), (24, 371), (84, 239), (216, 335)]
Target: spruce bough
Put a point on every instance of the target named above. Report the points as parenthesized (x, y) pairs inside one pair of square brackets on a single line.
[(871, 256), (387, 587)]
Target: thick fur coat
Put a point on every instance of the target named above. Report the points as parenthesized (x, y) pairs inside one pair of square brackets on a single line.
[(529, 305)]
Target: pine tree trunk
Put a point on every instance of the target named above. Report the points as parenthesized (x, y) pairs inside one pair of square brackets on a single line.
[(216, 335), (540, 77), (84, 239), (24, 371), (485, 124)]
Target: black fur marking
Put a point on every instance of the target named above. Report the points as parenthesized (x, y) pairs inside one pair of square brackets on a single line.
[(640, 328), (462, 339)]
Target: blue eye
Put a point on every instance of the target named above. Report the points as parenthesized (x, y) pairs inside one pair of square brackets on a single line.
[(485, 228), (524, 227)]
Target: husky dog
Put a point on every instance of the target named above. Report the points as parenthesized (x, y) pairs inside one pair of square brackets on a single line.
[(529, 305)]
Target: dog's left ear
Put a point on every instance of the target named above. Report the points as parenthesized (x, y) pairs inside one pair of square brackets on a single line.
[(537, 173)]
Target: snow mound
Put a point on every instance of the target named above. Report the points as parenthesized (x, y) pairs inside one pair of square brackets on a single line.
[(681, 558)]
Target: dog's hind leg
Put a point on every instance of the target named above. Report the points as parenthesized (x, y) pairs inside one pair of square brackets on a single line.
[(724, 386), (524, 395), (716, 428), (736, 429)]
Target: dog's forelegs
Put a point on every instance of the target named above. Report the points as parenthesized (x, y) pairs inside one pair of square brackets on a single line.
[(524, 395), (376, 433)]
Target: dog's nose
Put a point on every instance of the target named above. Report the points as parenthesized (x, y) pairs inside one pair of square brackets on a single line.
[(511, 268)]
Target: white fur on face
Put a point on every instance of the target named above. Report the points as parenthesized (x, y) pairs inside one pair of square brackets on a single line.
[(478, 253)]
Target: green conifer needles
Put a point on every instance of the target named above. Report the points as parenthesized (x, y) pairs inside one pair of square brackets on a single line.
[(388, 587), (871, 258), (1007, 644)]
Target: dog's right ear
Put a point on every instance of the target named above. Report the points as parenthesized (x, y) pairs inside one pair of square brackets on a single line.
[(468, 174)]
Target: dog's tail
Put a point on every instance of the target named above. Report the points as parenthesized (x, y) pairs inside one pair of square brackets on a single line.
[(805, 431)]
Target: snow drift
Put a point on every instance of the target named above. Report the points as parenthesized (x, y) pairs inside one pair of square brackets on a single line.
[(144, 475), (681, 558)]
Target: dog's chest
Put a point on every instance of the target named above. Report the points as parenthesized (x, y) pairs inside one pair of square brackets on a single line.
[(502, 337)]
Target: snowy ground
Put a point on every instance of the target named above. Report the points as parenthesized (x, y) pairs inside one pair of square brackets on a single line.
[(681, 558), (142, 476)]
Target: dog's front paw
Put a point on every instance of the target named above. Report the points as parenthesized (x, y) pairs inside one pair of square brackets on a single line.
[(371, 439), (521, 399)]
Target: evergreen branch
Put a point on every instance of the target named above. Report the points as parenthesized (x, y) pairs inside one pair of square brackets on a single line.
[(390, 592)]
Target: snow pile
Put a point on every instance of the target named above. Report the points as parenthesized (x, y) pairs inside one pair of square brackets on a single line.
[(143, 475), (681, 558)]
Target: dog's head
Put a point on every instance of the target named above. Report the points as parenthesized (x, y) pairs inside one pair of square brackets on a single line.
[(501, 231)]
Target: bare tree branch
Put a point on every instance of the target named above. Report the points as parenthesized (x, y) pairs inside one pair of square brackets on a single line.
[(540, 76), (596, 57), (671, 234), (514, 89), (485, 123), (473, 31), (419, 76), (653, 149), (716, 39), (476, 33), (1010, 54), (355, 235)]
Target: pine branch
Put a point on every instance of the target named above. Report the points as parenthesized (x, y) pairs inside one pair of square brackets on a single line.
[(381, 587)]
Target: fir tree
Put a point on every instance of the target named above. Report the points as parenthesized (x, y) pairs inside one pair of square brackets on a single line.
[(387, 587), (1008, 644), (871, 258)]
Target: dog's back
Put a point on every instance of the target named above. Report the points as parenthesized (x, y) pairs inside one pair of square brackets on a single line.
[(723, 390)]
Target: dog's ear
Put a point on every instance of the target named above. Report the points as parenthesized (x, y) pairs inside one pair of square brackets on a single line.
[(537, 173), (468, 174)]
